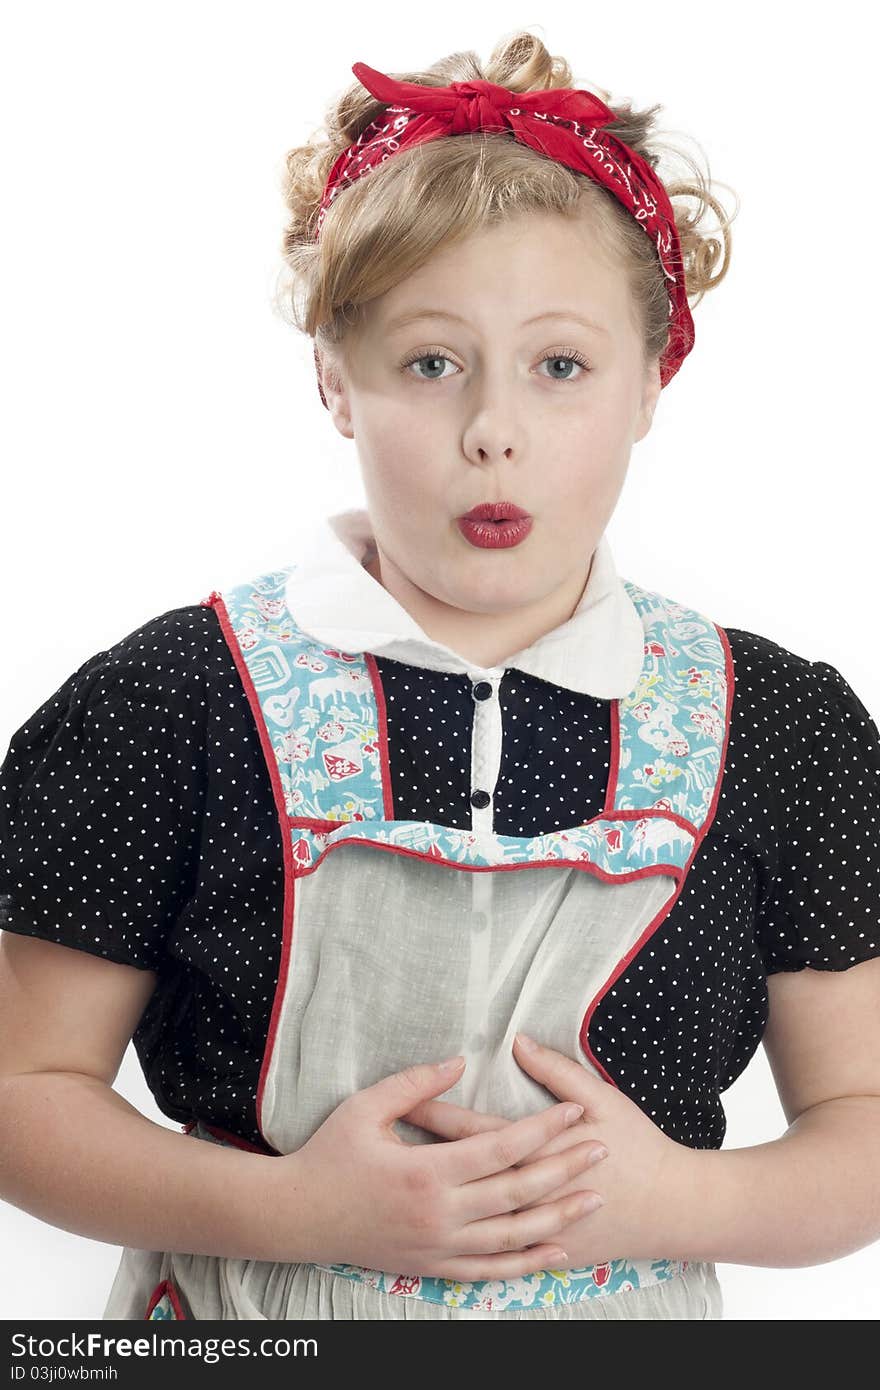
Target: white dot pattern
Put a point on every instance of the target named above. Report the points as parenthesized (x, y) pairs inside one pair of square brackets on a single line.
[(138, 823)]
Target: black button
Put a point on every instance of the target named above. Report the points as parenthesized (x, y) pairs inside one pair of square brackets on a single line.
[(482, 690), (480, 799)]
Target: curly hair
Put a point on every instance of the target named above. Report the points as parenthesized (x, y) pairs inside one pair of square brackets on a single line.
[(432, 194)]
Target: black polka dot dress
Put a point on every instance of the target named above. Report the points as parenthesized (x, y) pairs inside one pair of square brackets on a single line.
[(140, 823)]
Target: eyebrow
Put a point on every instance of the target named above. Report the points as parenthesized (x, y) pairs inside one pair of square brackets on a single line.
[(402, 320)]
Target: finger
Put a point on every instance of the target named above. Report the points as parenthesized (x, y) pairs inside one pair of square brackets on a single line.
[(509, 1265), (577, 1133), (476, 1157), (518, 1189), (452, 1121), (577, 1183), (559, 1073), (513, 1230), (394, 1095), (458, 1122)]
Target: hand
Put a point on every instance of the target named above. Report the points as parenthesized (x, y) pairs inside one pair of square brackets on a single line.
[(644, 1181), (461, 1210)]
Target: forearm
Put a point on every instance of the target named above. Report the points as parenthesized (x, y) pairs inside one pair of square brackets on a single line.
[(810, 1196), (74, 1153)]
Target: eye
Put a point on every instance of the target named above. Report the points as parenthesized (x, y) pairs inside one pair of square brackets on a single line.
[(433, 356), (566, 355)]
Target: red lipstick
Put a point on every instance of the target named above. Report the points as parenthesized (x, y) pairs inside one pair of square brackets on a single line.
[(495, 525)]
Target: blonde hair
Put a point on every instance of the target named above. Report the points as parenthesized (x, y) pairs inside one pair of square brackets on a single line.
[(385, 225)]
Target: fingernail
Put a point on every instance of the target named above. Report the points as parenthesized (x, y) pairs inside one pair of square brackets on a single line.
[(451, 1063), (573, 1113), (599, 1153), (526, 1043)]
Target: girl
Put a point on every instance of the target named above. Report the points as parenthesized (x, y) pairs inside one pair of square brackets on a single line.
[(443, 781)]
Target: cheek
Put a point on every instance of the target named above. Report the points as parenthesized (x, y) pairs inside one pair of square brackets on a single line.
[(595, 457), (404, 461), (390, 438), (605, 428), (396, 486), (588, 469)]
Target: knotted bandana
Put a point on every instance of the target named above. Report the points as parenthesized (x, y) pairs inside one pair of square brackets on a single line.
[(566, 124)]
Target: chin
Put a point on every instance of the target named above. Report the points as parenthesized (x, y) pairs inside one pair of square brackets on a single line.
[(499, 598)]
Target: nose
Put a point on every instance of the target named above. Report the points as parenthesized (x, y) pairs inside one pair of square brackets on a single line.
[(493, 430)]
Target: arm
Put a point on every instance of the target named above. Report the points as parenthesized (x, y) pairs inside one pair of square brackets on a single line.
[(813, 1194), (74, 1153), (810, 1196)]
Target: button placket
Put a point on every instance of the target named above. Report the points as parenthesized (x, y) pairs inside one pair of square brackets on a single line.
[(486, 737), (476, 1003), (486, 734)]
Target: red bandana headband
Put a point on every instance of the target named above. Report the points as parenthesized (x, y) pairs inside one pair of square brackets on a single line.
[(562, 123)]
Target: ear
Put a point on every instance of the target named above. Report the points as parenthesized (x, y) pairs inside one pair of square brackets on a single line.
[(334, 391), (650, 395)]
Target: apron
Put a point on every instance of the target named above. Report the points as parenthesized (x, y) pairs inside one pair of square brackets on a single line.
[(406, 941)]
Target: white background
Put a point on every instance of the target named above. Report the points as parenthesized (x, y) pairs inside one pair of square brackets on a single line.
[(163, 433)]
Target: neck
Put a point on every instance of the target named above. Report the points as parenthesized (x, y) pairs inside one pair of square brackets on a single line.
[(484, 639)]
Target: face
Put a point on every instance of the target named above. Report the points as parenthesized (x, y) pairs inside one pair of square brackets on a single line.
[(495, 390)]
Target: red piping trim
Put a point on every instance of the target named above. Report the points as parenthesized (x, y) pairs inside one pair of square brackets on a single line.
[(228, 1137), (219, 606), (586, 865), (379, 695), (158, 1293), (667, 907), (611, 787), (311, 823), (322, 826)]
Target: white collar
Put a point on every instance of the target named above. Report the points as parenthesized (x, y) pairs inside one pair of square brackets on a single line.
[(598, 651)]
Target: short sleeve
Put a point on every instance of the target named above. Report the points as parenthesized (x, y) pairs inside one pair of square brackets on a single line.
[(99, 813), (822, 908)]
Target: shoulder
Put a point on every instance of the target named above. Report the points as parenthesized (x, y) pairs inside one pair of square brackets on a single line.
[(761, 662), (183, 639), (173, 657), (796, 724), (154, 674), (777, 690)]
